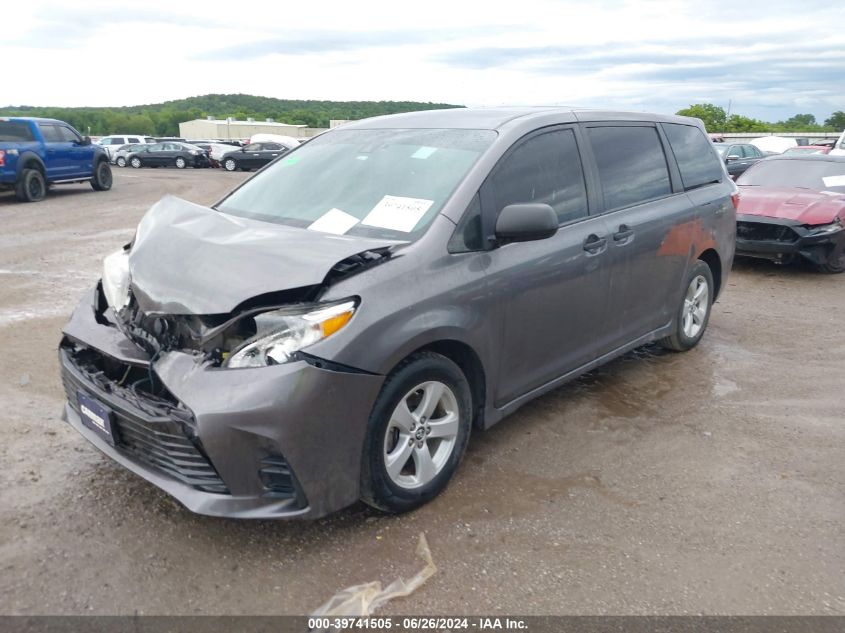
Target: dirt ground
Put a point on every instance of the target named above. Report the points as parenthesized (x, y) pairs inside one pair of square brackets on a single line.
[(708, 482)]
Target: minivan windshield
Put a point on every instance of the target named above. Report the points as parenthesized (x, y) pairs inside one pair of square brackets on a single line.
[(818, 175), (373, 183)]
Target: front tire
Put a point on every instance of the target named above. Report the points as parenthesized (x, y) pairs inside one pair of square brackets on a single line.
[(121, 161), (102, 179), (31, 186), (417, 433), (694, 312), (180, 162), (135, 162), (834, 265)]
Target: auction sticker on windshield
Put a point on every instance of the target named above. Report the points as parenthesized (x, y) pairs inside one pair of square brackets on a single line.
[(334, 221), (397, 213), (834, 181)]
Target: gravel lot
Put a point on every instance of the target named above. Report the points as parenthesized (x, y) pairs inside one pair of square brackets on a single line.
[(707, 482)]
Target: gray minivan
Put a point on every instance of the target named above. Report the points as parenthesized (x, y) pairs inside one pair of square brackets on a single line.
[(334, 328)]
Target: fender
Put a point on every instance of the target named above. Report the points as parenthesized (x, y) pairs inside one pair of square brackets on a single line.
[(25, 157), (424, 338)]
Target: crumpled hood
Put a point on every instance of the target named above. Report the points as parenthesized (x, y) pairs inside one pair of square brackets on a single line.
[(801, 205), (190, 259)]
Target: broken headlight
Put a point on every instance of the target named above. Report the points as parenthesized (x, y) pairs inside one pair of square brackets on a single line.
[(825, 229), (116, 279), (282, 333)]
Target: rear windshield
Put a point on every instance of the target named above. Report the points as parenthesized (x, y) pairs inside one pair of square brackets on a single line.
[(818, 175), (374, 183), (15, 132)]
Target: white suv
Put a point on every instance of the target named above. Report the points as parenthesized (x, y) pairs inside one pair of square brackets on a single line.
[(112, 142)]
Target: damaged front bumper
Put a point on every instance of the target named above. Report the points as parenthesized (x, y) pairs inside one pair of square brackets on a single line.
[(269, 442), (782, 240)]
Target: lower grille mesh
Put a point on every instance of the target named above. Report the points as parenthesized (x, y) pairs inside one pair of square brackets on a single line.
[(157, 441), (760, 231)]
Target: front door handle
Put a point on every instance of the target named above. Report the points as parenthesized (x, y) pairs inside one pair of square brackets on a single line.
[(594, 244), (623, 234)]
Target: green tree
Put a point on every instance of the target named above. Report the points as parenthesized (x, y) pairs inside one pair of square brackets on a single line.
[(713, 116), (162, 119), (836, 121), (801, 120), (739, 123)]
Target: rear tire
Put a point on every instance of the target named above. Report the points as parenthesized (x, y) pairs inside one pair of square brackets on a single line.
[(121, 161), (31, 186), (135, 162), (230, 164), (417, 433), (694, 312), (102, 179)]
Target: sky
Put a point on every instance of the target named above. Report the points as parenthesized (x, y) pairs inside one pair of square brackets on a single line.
[(767, 59)]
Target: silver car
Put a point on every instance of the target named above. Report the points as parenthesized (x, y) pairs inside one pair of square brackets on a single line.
[(335, 328)]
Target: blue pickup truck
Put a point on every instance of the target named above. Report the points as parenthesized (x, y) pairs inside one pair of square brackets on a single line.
[(38, 153)]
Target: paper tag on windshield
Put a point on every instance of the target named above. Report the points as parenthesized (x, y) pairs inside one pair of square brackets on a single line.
[(397, 213), (424, 152), (834, 181), (334, 221)]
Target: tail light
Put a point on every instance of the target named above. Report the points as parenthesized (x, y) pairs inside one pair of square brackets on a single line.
[(735, 200), (2, 158)]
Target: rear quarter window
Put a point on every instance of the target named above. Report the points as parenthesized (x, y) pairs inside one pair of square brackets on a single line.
[(696, 161), (15, 132)]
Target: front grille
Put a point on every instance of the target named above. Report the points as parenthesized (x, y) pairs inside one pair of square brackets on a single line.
[(764, 232), (148, 429)]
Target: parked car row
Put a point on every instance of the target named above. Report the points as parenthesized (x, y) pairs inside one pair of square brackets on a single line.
[(198, 154), (179, 155)]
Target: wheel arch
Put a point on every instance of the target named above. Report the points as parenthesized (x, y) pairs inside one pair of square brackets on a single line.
[(30, 160), (465, 357), (712, 259)]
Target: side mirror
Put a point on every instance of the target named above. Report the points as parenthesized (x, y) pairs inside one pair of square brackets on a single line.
[(732, 158), (526, 222), (86, 140)]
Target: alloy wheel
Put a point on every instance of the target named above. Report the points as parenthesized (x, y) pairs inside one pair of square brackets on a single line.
[(696, 304), (421, 435)]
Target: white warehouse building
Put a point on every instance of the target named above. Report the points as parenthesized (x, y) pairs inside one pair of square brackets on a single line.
[(212, 128)]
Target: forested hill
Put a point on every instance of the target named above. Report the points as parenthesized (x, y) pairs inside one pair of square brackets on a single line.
[(162, 119)]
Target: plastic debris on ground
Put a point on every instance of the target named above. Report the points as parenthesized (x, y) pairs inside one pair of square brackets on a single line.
[(365, 599)]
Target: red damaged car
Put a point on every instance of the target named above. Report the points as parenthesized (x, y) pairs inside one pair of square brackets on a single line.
[(793, 206)]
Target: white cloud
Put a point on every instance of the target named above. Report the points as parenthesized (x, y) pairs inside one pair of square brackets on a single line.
[(772, 59)]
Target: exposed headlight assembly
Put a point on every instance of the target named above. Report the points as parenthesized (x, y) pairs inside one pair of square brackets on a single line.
[(825, 229), (282, 333), (116, 279)]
